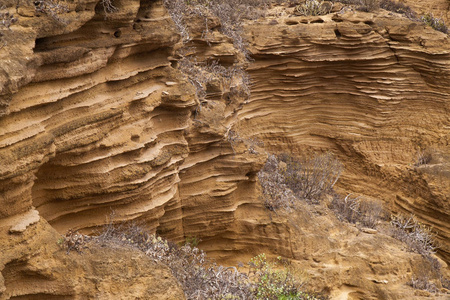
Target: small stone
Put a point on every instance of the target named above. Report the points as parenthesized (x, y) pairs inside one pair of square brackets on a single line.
[(369, 230), (29, 218)]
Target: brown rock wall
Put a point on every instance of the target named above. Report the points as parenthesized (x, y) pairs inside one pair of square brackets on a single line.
[(374, 91), (95, 119)]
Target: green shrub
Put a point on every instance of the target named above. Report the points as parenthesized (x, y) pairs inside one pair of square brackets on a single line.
[(436, 23), (200, 277), (272, 283)]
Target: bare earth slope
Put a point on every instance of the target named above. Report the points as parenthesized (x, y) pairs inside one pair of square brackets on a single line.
[(96, 118)]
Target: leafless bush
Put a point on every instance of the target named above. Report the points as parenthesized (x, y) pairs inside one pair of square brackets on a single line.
[(347, 208), (358, 210), (423, 283), (311, 178), (285, 179), (52, 8), (417, 236), (233, 138), (178, 10), (423, 157), (230, 13), (368, 5), (233, 80), (371, 213), (277, 195), (74, 240), (314, 8), (398, 7), (199, 277)]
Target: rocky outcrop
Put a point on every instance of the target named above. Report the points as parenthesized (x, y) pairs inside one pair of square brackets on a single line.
[(96, 118), (358, 84), (35, 266)]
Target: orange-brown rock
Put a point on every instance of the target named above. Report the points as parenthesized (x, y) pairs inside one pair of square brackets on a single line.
[(95, 118), (36, 266), (369, 88)]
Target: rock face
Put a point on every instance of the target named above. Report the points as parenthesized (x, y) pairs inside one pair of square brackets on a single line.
[(95, 119), (360, 85)]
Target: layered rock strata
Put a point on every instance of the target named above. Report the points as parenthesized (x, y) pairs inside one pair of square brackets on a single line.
[(97, 120), (371, 90)]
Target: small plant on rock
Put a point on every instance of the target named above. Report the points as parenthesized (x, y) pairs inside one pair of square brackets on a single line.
[(277, 195), (358, 210), (311, 178), (417, 236), (52, 8), (314, 8), (273, 283), (398, 7), (436, 23), (368, 5)]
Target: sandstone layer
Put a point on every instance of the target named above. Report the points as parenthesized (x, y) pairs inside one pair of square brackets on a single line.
[(96, 119), (374, 91)]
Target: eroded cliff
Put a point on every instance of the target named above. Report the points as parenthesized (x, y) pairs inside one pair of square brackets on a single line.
[(96, 117)]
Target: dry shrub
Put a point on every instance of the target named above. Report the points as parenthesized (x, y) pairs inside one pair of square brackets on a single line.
[(371, 213), (285, 179), (423, 283), (356, 210), (311, 178), (436, 23), (314, 8), (367, 5), (199, 277), (427, 275), (108, 7), (398, 7), (346, 208), (417, 236), (233, 81), (52, 8), (277, 195), (178, 10), (230, 13), (423, 157), (73, 240)]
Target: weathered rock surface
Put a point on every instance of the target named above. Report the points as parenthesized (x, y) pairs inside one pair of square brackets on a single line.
[(34, 266), (95, 119), (361, 85)]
